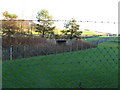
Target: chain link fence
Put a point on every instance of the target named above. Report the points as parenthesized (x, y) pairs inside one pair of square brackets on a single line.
[(30, 61), (74, 65), (44, 48)]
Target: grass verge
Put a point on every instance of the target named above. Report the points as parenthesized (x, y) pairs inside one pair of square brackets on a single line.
[(93, 68)]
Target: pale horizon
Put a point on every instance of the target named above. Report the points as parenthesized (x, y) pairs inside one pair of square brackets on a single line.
[(84, 10)]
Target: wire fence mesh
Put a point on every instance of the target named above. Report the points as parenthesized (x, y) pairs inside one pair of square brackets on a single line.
[(35, 62), (65, 67), (24, 51)]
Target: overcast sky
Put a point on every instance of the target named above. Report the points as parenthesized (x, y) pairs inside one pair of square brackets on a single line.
[(85, 10)]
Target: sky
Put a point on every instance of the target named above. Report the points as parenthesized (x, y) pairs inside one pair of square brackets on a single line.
[(84, 10)]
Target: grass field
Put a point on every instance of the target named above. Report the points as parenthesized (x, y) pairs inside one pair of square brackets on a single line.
[(94, 68), (89, 33), (115, 39), (95, 38)]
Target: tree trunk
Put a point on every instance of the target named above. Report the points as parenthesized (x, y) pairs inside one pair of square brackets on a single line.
[(71, 35)]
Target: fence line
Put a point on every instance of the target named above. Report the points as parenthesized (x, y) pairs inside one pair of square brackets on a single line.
[(108, 22), (74, 64)]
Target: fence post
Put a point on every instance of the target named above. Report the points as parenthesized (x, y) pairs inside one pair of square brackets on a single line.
[(11, 52)]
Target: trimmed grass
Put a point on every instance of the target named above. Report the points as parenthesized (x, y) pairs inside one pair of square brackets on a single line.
[(94, 68), (95, 38), (89, 33), (115, 39), (115, 45)]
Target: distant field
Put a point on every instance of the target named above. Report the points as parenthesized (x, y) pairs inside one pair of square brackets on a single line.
[(115, 39), (94, 68), (95, 38), (89, 33)]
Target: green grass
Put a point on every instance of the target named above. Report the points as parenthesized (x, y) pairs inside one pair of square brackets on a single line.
[(115, 45), (96, 67), (95, 38), (89, 33), (115, 39)]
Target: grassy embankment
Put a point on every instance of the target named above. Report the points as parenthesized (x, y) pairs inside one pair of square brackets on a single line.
[(96, 67)]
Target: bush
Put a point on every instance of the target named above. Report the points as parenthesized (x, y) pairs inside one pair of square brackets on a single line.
[(24, 47)]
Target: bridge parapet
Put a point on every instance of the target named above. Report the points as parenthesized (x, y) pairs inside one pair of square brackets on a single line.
[(62, 41)]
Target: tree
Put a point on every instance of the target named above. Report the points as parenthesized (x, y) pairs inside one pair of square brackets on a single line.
[(9, 28), (71, 29), (12, 26), (9, 25), (45, 22), (26, 26), (8, 16), (50, 33)]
